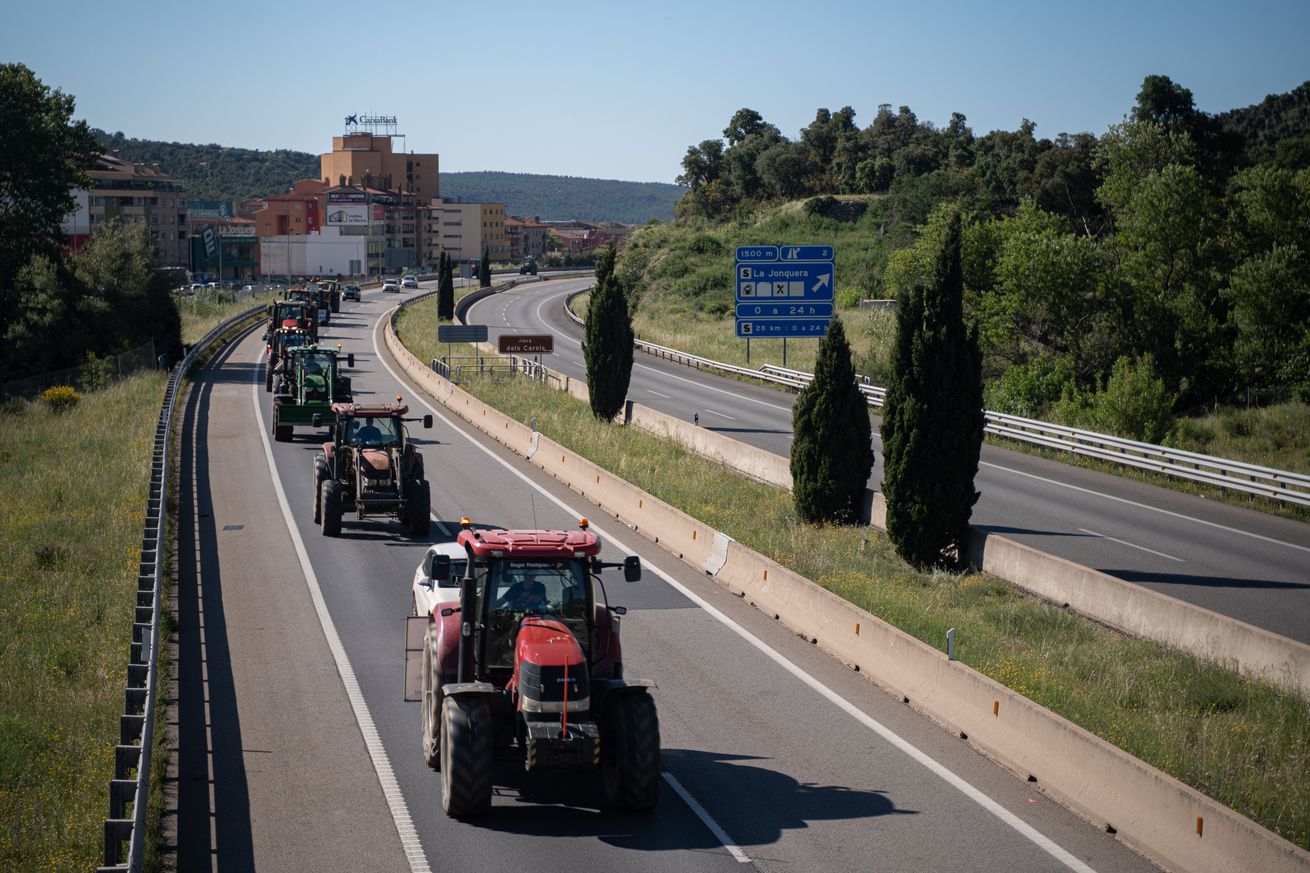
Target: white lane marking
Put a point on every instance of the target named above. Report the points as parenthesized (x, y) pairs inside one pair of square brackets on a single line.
[(658, 394), (409, 839), (706, 818), (720, 414), (1216, 525), (1023, 828), (670, 375), (1130, 545)]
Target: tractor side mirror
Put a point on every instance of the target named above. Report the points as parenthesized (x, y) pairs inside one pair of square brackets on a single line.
[(449, 611), (618, 610), (632, 569), (427, 421), (350, 360), (440, 567), (316, 420)]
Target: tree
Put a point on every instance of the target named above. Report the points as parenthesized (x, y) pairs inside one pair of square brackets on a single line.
[(607, 342), (46, 154), (933, 419), (445, 288), (484, 272), (831, 451)]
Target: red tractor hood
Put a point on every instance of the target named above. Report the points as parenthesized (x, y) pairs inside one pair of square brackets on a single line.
[(546, 643)]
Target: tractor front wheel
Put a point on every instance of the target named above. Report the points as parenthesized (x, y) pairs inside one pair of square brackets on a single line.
[(431, 706), (466, 753), (420, 508), (330, 509), (268, 377), (630, 752)]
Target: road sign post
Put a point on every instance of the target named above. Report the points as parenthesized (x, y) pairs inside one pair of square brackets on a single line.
[(784, 291)]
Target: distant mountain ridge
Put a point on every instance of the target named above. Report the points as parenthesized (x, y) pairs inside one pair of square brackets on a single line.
[(215, 172)]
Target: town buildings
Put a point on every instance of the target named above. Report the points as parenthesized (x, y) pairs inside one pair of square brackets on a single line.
[(132, 194)]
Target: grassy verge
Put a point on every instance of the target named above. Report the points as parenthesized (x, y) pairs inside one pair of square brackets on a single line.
[(201, 314), (74, 489), (1245, 743)]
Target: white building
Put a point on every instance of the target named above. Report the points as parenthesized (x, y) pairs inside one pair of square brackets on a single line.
[(327, 252)]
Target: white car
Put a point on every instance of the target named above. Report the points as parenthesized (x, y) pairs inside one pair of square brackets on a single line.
[(409, 282), (391, 286), (430, 593)]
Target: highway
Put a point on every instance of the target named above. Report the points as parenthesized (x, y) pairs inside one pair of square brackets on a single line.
[(1237, 562), (775, 755)]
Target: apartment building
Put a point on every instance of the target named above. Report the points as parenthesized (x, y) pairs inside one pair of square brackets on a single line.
[(465, 230), (132, 194), (526, 237), (295, 213), (366, 160)]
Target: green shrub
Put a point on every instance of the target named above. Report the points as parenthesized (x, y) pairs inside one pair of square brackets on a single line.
[(1031, 389), (13, 406), (1133, 404), (60, 398)]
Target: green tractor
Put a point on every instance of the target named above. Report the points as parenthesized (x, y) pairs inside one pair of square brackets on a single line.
[(310, 383), (280, 344)]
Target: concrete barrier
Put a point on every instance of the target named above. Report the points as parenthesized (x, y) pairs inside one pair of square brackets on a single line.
[(754, 462), (1174, 825)]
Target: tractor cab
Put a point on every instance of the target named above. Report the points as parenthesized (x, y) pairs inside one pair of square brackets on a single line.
[(310, 384), (280, 343)]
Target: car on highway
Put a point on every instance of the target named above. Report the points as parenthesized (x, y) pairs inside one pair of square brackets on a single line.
[(390, 286), (428, 592), (409, 282), (351, 292)]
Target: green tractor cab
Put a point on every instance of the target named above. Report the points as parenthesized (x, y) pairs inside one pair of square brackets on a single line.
[(310, 383)]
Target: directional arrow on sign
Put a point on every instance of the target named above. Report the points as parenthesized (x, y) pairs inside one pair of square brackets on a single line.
[(822, 281)]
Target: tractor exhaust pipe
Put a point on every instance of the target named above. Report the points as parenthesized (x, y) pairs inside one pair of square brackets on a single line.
[(467, 595)]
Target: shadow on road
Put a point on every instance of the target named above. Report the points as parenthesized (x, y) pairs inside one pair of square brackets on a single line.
[(565, 805), (204, 666), (1144, 578)]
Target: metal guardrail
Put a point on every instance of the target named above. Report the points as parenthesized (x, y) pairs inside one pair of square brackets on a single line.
[(1281, 485), (136, 726)]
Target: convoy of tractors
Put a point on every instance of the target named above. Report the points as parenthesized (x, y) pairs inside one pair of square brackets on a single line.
[(513, 652)]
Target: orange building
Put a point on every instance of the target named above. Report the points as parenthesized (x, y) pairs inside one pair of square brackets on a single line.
[(366, 160), (294, 213)]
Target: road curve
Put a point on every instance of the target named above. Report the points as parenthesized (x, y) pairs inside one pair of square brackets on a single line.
[(1237, 562)]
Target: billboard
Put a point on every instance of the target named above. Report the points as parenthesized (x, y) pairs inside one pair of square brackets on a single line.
[(340, 214)]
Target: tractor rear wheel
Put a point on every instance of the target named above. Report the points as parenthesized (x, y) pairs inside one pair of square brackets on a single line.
[(282, 432), (330, 509), (320, 476), (630, 752), (466, 753), (431, 706), (420, 508), (268, 377)]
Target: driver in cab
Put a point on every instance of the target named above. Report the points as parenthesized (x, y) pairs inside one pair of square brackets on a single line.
[(525, 595)]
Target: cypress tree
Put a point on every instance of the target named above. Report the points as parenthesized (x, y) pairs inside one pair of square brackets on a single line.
[(932, 425), (831, 451), (484, 272), (445, 288), (607, 343)]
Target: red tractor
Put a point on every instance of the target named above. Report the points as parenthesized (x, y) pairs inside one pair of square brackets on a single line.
[(528, 667)]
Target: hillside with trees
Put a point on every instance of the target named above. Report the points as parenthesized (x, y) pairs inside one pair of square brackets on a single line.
[(215, 172), (1115, 281)]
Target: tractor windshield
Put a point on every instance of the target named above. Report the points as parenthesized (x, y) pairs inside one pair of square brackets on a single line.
[(318, 370), (518, 588), (370, 431)]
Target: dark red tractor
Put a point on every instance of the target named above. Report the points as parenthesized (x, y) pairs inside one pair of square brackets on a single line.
[(527, 667)]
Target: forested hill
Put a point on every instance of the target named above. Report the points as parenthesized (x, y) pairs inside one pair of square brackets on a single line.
[(1277, 118), (215, 172), (566, 196)]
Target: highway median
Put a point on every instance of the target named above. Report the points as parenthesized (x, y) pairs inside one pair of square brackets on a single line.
[(1236, 740)]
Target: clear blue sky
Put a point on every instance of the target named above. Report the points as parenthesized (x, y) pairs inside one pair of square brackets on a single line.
[(619, 90)]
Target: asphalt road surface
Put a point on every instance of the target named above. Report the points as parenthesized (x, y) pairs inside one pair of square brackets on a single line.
[(774, 754), (1245, 564)]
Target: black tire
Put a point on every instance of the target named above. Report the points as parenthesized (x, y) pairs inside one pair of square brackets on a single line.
[(320, 476), (431, 705), (330, 509), (268, 377), (466, 755), (282, 432), (420, 508), (630, 752)]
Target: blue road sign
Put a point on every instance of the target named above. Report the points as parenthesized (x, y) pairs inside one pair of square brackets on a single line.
[(772, 309), (778, 328), (784, 291)]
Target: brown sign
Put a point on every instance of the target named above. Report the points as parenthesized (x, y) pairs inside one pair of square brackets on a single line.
[(526, 344)]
